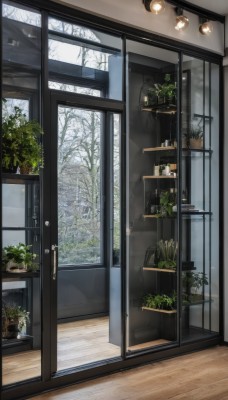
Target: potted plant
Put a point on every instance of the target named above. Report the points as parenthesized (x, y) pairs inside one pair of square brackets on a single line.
[(18, 258), (21, 145), (163, 92), (195, 138), (192, 282), (160, 301), (166, 254), (166, 204), (14, 318)]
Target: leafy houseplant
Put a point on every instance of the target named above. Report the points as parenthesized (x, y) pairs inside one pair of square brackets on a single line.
[(166, 254), (21, 143), (194, 139), (192, 282), (14, 318), (166, 204), (18, 258), (160, 301), (163, 92)]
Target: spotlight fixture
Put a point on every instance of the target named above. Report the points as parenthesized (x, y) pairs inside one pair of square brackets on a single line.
[(154, 6), (205, 27), (182, 21)]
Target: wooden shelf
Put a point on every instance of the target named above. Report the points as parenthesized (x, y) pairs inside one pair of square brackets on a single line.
[(167, 148), (159, 269), (159, 177), (19, 178), (20, 275), (151, 215), (158, 216), (170, 109), (160, 311)]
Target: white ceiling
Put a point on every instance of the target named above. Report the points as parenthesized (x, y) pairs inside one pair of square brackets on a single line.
[(218, 6)]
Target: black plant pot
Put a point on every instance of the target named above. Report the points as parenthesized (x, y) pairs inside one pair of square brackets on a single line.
[(10, 170), (11, 329)]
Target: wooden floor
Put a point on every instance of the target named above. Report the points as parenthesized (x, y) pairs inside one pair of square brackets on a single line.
[(79, 343), (197, 376)]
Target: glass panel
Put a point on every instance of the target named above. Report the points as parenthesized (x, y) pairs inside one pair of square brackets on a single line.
[(79, 186), (25, 15), (88, 57), (80, 240), (73, 89), (116, 189), (21, 297), (151, 197), (199, 166)]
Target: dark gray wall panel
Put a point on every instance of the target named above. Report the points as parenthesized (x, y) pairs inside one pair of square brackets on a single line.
[(82, 292)]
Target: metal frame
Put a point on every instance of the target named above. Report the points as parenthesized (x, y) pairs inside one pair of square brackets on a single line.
[(84, 373)]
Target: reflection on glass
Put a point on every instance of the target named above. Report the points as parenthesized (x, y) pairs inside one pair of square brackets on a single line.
[(78, 55), (91, 58), (116, 189), (21, 297), (24, 14), (73, 89), (200, 216)]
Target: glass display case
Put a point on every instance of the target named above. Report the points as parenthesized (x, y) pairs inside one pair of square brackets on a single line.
[(172, 281)]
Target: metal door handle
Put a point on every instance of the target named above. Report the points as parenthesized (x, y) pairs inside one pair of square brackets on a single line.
[(54, 247)]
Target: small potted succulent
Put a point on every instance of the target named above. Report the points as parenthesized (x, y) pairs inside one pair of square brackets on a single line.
[(21, 145), (195, 138), (14, 318), (18, 258)]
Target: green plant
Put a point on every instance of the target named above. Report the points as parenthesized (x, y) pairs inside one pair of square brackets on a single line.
[(21, 142), (166, 204), (19, 254), (160, 301), (195, 133), (192, 282), (166, 254), (12, 312), (166, 90)]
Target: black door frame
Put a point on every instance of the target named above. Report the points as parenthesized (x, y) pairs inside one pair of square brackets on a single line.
[(51, 230)]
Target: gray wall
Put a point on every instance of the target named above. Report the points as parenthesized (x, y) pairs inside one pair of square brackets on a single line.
[(82, 292)]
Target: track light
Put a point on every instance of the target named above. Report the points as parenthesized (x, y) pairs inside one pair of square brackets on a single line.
[(154, 6), (205, 27), (182, 21)]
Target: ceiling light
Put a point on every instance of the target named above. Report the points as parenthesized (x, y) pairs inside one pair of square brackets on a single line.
[(182, 21), (154, 6), (205, 27)]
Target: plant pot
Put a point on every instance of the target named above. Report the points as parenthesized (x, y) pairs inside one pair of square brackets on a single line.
[(15, 268), (25, 169), (10, 170), (10, 328), (196, 143)]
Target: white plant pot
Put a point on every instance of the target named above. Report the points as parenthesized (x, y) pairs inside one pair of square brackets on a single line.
[(13, 267)]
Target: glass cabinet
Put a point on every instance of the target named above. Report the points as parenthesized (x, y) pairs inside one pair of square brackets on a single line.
[(172, 217)]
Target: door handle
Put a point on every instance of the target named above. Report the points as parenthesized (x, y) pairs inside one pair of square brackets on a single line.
[(53, 248)]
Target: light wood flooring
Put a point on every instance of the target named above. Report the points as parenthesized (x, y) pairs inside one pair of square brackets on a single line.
[(197, 376), (79, 343)]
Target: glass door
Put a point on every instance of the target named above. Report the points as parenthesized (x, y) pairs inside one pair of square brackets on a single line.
[(82, 242), (152, 198), (200, 200)]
